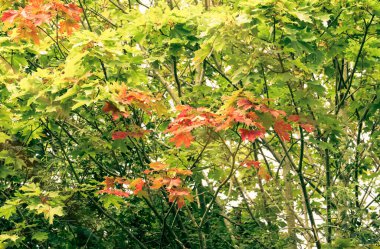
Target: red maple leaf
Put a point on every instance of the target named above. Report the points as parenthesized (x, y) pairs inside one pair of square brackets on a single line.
[(109, 182), (179, 195), (171, 182), (245, 104), (293, 118), (9, 16), (282, 129), (251, 135), (307, 127), (118, 192), (138, 184), (109, 107), (117, 135), (250, 163)]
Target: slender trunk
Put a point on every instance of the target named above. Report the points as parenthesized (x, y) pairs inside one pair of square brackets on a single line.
[(328, 197), (289, 208)]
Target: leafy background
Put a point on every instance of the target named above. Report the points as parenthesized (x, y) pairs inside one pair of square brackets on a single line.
[(315, 59)]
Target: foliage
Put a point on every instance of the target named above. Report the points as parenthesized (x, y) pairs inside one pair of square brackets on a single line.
[(186, 124)]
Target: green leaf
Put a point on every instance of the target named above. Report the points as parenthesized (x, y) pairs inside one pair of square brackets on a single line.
[(31, 189), (40, 236), (4, 237), (7, 210), (80, 102), (4, 137)]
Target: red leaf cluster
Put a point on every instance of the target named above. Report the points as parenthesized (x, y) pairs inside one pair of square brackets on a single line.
[(136, 98), (36, 13), (115, 186), (282, 129), (250, 163), (188, 119), (261, 171), (241, 110), (303, 122), (169, 178), (251, 135), (135, 132), (179, 195)]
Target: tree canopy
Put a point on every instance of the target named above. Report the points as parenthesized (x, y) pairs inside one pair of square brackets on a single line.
[(189, 124)]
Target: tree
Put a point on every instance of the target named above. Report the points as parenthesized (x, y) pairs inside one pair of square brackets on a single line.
[(186, 124)]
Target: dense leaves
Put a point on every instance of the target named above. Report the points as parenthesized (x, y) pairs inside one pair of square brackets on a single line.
[(189, 124)]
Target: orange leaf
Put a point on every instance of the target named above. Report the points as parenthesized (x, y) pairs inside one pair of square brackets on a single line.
[(68, 26), (182, 139), (138, 184), (263, 173), (179, 195), (157, 166)]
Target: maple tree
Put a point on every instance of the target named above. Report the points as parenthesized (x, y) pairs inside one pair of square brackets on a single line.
[(189, 124)]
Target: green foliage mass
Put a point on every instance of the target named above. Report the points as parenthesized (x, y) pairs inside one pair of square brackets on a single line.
[(317, 59)]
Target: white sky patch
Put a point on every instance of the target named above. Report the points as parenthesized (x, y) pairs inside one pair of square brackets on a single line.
[(227, 68), (211, 84), (142, 8)]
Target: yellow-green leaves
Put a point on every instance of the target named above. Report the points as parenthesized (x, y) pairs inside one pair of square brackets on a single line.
[(48, 211), (3, 137)]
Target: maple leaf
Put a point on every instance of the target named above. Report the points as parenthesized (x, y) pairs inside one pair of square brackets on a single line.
[(27, 30), (138, 184), (157, 183), (137, 132), (230, 115), (250, 163), (157, 166), (172, 182), (251, 135), (275, 113), (182, 139), (109, 107), (245, 104), (177, 171), (179, 195), (307, 127), (252, 116), (109, 182), (9, 16), (147, 171), (282, 129), (37, 12), (116, 192), (293, 118), (263, 173), (120, 193), (121, 180), (68, 26), (117, 135)]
